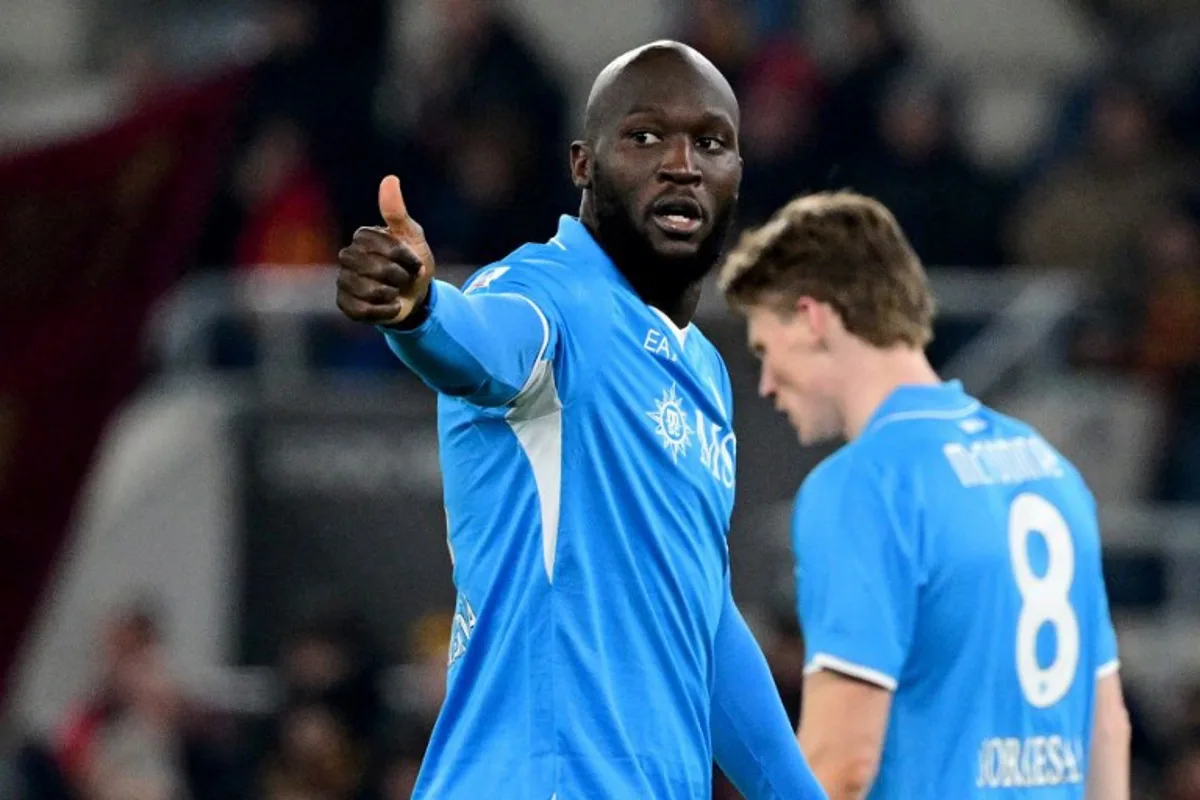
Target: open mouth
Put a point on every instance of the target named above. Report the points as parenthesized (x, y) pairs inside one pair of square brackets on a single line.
[(678, 216)]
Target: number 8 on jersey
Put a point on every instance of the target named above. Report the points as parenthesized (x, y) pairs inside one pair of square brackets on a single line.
[(1045, 599)]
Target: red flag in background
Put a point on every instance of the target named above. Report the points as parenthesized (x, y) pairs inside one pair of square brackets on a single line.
[(92, 232)]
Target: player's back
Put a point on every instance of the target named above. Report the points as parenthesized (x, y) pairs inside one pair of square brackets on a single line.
[(1007, 624)]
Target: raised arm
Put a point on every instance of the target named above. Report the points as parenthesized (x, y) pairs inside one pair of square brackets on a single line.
[(484, 348), (752, 737)]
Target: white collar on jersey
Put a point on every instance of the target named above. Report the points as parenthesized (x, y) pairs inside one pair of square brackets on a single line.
[(680, 333)]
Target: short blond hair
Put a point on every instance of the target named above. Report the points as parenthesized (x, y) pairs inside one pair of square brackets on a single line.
[(839, 248)]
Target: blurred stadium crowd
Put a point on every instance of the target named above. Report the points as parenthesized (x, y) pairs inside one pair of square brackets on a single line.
[(139, 735), (477, 129)]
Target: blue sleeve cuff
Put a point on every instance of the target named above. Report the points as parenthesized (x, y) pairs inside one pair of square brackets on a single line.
[(418, 331)]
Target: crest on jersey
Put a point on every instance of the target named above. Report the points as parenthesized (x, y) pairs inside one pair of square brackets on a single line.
[(460, 629), (972, 426), (670, 423)]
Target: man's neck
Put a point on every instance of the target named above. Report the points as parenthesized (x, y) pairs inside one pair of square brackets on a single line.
[(682, 308), (679, 304), (876, 374)]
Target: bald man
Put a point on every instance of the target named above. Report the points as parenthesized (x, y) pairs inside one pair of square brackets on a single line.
[(588, 460)]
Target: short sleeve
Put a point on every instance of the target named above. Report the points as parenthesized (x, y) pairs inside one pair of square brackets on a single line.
[(1107, 658), (856, 573), (1105, 652)]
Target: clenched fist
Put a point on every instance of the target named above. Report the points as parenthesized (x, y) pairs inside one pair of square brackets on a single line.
[(385, 272)]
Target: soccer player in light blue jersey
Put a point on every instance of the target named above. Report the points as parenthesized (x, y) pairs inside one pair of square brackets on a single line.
[(588, 462), (947, 558)]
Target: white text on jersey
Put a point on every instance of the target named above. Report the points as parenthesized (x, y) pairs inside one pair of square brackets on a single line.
[(1037, 761), (1003, 461), (657, 343), (717, 449)]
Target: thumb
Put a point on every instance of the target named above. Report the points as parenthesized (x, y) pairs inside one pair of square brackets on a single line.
[(391, 206)]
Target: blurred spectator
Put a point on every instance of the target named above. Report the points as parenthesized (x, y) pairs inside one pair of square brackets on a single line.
[(327, 742), (137, 736), (878, 49), (308, 144), (316, 758), (773, 17), (404, 761), (1126, 13), (1169, 342), (1183, 775), (1089, 209), (323, 72), (124, 742), (38, 775), (287, 218), (488, 113), (946, 206), (330, 662), (1146, 750), (489, 199), (1167, 52), (780, 96), (401, 778), (1187, 110), (429, 647), (723, 30), (1147, 318)]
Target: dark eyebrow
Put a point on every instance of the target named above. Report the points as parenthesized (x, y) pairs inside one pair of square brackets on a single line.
[(717, 118), (708, 118), (644, 109)]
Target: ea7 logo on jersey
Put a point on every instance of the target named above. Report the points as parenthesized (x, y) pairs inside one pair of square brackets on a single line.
[(670, 423), (658, 344), (485, 279)]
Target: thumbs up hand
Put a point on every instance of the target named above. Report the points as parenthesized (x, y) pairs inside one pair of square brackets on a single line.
[(386, 271)]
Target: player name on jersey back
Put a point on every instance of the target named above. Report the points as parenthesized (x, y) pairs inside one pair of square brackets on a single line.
[(991, 462), (1009, 763)]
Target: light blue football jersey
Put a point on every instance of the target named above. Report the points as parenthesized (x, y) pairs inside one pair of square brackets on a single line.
[(587, 526), (950, 555)]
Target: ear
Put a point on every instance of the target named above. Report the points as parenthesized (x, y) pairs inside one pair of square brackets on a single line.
[(813, 317), (581, 164)]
